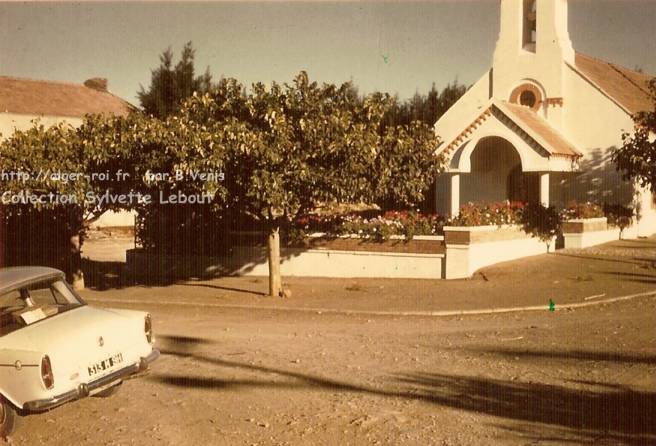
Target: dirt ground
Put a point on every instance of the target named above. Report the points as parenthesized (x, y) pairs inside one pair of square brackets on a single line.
[(265, 374)]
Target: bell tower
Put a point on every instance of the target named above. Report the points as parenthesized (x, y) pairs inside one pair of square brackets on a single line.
[(533, 45)]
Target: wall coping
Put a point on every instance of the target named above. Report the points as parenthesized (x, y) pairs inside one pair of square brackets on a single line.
[(584, 220), (320, 251), (365, 253), (434, 238), (479, 228)]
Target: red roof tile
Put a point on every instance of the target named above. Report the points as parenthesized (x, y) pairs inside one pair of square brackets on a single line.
[(626, 87), (539, 129), (34, 97)]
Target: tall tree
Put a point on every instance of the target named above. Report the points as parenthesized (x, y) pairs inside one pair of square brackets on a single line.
[(301, 145), (636, 159), (426, 108), (111, 158), (170, 85)]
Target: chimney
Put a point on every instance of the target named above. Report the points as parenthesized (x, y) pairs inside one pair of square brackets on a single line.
[(97, 83)]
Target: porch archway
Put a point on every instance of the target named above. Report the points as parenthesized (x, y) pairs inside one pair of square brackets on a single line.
[(496, 172)]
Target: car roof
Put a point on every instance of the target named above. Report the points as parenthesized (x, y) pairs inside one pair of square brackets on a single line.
[(16, 277)]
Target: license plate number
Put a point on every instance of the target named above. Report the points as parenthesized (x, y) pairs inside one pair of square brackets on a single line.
[(105, 364)]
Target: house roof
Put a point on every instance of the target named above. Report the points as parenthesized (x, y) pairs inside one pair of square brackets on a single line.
[(538, 129), (552, 142), (37, 97), (627, 88)]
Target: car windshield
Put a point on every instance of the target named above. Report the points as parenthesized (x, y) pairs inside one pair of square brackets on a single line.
[(34, 303)]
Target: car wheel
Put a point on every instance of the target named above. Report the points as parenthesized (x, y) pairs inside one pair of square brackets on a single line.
[(108, 392), (7, 418)]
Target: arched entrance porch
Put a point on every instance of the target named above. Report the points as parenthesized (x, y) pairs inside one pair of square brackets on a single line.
[(491, 170)]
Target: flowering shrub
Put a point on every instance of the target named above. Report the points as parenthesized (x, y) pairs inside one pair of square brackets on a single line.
[(377, 227), (483, 214), (542, 222), (618, 215), (576, 210), (537, 220)]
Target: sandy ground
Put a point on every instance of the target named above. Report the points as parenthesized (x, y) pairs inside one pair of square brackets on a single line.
[(249, 376)]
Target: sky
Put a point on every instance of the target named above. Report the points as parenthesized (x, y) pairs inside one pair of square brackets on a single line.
[(396, 47)]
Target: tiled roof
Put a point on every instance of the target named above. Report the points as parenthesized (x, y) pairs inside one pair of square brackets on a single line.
[(538, 129), (527, 121), (35, 97), (626, 87)]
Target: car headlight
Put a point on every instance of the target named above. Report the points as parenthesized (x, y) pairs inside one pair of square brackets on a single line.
[(148, 328), (46, 373)]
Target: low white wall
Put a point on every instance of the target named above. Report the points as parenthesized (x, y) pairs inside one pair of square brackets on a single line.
[(647, 224), (587, 239), (463, 260), (486, 254), (345, 264), (593, 238)]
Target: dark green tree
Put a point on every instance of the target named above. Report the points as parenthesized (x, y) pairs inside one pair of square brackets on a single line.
[(170, 85), (298, 146), (636, 159), (426, 108)]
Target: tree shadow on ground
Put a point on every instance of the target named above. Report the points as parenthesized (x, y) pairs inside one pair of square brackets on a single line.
[(615, 413), (598, 258), (575, 355), (225, 288), (632, 277), (104, 275)]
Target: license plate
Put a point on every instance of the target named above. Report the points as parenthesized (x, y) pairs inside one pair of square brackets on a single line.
[(105, 364)]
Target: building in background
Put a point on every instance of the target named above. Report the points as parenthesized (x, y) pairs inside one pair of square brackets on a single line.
[(539, 126), (24, 100)]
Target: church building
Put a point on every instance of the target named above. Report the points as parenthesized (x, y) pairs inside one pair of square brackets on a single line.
[(540, 124)]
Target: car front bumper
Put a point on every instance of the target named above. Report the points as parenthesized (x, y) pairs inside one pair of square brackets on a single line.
[(84, 389)]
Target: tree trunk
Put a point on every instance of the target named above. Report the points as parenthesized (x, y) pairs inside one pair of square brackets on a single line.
[(77, 276), (273, 245)]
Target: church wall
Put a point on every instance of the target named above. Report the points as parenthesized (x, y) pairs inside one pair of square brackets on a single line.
[(595, 124), (476, 98), (592, 120)]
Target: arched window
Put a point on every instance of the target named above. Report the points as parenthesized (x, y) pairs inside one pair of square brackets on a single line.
[(528, 95)]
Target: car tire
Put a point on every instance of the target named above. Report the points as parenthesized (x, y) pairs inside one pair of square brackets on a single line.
[(7, 418), (109, 391)]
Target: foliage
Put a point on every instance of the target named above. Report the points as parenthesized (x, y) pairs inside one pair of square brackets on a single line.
[(426, 108), (618, 215), (301, 145), (405, 166), (483, 214), (123, 150), (378, 227), (182, 229), (170, 85), (575, 210), (636, 159), (31, 229), (541, 221), (536, 219)]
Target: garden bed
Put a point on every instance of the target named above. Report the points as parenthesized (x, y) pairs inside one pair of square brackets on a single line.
[(395, 244)]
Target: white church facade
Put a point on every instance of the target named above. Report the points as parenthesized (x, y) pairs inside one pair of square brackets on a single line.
[(540, 124)]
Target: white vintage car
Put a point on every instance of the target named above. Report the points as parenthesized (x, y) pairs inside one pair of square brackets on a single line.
[(54, 348)]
